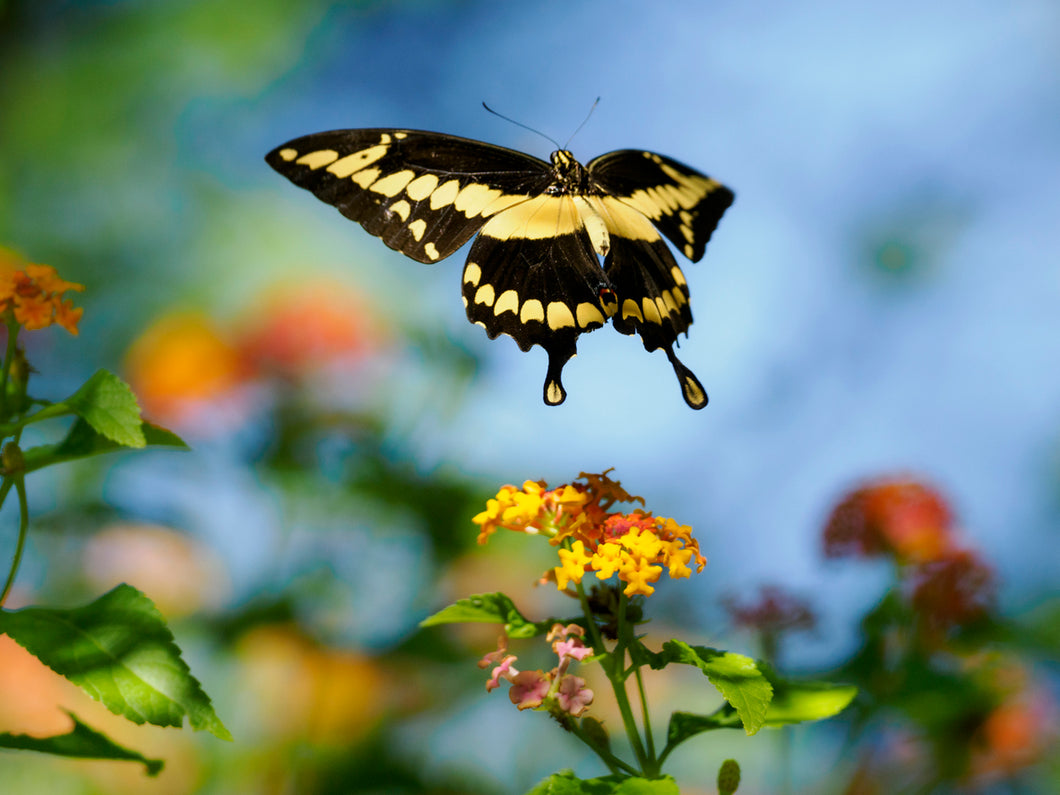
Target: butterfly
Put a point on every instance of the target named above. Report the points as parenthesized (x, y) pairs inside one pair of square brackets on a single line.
[(534, 272)]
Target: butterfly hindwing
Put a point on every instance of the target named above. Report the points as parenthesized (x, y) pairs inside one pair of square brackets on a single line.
[(652, 294), (424, 194), (533, 273), (684, 204)]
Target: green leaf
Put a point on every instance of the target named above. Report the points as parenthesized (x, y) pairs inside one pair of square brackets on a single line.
[(120, 651), (793, 702), (566, 783), (80, 742), (489, 608), (82, 441), (107, 403), (738, 678)]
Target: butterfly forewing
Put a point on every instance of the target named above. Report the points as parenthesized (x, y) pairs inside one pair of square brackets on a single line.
[(424, 194), (684, 204)]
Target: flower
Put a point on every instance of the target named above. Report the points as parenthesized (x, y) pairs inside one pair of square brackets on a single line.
[(182, 366), (295, 329), (636, 547), (953, 591), (897, 516), (33, 294), (775, 610)]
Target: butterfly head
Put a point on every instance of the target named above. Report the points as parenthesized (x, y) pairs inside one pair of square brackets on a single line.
[(571, 176)]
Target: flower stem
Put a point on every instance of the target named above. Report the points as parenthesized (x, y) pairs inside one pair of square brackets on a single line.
[(9, 356), (23, 526)]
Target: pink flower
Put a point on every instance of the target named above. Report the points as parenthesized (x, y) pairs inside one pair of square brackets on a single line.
[(529, 689), (573, 696)]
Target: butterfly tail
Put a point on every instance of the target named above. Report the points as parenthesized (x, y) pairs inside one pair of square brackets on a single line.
[(554, 392), (692, 391)]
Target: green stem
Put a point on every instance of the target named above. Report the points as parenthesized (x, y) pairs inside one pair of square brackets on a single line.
[(613, 664), (46, 413), (23, 526), (9, 356), (614, 764), (648, 736)]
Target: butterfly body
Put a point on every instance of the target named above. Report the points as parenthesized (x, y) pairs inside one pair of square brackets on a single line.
[(534, 271)]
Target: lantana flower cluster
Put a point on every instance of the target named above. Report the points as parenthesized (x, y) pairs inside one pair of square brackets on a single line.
[(636, 547), (34, 295), (911, 522), (555, 690)]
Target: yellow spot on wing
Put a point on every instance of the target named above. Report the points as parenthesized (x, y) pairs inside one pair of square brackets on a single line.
[(589, 314), (351, 164), (502, 202), (485, 295), (559, 316), (401, 135), (651, 311), (678, 276), (668, 300), (630, 308), (508, 302), (539, 218), (474, 197), (431, 251), (622, 220), (693, 394), (366, 177), (317, 159), (393, 184), (472, 273), (660, 304), (401, 208), (532, 310), (445, 194), (421, 187), (417, 228), (288, 154), (554, 393)]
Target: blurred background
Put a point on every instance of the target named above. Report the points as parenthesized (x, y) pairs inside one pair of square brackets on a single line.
[(880, 302)]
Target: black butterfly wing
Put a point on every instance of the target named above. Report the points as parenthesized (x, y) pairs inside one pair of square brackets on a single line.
[(684, 204), (533, 273), (424, 194), (652, 295)]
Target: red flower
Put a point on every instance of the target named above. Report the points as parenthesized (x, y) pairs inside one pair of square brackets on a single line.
[(902, 517), (953, 591)]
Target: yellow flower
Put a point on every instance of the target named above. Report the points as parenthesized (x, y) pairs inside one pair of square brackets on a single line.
[(636, 547)]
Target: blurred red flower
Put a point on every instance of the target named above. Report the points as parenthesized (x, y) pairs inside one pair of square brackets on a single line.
[(898, 516)]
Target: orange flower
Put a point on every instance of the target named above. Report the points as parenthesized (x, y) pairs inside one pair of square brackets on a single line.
[(636, 547), (180, 363), (899, 516), (34, 295), (298, 328)]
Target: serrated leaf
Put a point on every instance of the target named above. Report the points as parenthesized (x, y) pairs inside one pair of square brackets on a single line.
[(82, 441), (566, 783), (107, 403), (738, 678), (489, 608), (81, 742), (119, 650)]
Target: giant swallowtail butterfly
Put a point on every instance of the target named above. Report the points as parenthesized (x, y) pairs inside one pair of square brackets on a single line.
[(534, 271)]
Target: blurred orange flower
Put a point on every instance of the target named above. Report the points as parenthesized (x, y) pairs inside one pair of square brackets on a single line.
[(300, 690), (899, 516), (181, 363), (296, 328)]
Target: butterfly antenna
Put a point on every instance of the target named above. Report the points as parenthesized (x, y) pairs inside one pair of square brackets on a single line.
[(584, 122), (520, 124)]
